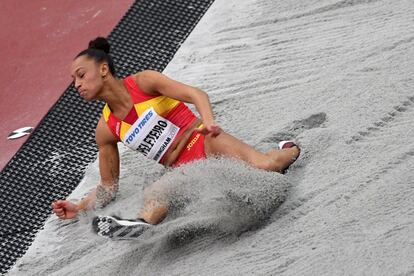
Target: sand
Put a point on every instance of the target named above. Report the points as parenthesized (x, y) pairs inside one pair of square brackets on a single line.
[(337, 76)]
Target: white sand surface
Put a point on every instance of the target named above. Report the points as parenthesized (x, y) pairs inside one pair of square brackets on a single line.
[(337, 76)]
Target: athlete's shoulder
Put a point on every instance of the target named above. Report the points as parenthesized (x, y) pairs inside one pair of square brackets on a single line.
[(148, 81), (147, 75)]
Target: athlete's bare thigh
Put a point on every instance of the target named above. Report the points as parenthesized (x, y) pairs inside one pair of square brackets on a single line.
[(227, 145)]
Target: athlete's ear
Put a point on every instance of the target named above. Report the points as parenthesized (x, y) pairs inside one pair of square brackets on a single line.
[(104, 70)]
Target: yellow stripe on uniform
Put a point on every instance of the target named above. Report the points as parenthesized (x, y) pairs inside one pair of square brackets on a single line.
[(162, 105), (123, 130), (106, 112)]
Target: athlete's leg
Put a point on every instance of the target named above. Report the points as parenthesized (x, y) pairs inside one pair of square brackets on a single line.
[(227, 145), (155, 207)]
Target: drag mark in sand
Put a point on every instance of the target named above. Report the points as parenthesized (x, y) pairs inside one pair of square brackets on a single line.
[(392, 136), (386, 121), (296, 128)]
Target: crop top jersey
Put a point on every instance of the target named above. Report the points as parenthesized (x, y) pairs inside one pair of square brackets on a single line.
[(152, 124)]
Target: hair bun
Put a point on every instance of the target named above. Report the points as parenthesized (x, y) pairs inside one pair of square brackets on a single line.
[(100, 43)]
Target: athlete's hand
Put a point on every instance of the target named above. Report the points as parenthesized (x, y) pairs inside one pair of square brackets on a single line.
[(209, 129), (65, 209)]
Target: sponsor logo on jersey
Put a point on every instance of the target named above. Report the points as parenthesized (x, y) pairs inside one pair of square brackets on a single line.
[(138, 127)]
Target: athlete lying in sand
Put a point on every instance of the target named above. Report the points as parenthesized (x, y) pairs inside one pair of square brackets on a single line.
[(146, 112)]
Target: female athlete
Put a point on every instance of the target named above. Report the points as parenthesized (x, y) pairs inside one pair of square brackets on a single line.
[(146, 112)]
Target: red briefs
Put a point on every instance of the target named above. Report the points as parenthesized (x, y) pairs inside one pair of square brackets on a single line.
[(194, 150)]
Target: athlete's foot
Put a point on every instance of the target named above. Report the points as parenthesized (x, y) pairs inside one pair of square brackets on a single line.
[(291, 152), (283, 157), (116, 228)]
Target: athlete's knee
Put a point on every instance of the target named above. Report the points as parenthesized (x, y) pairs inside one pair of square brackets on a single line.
[(154, 211), (157, 215), (153, 191)]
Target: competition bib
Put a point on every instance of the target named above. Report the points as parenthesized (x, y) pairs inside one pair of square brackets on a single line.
[(151, 135)]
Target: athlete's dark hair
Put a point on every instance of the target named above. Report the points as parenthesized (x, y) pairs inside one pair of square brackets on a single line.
[(99, 51)]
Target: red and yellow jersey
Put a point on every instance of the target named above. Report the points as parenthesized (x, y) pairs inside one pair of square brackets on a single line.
[(170, 116)]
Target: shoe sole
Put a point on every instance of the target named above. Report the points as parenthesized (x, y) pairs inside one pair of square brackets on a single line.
[(118, 229)]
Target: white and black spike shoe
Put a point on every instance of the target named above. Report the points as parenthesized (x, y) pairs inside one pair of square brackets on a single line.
[(117, 228)]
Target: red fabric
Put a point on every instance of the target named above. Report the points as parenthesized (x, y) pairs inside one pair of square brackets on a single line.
[(137, 94), (181, 115), (193, 151), (114, 125), (131, 117)]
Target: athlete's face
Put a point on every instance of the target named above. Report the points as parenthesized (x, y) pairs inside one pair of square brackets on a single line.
[(88, 77)]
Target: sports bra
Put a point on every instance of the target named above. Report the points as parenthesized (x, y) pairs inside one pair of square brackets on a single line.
[(152, 124)]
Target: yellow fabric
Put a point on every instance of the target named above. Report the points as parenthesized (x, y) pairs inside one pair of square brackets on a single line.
[(124, 128), (162, 105), (106, 112)]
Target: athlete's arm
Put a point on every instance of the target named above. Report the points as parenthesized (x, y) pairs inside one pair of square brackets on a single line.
[(155, 83), (109, 170), (108, 167)]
